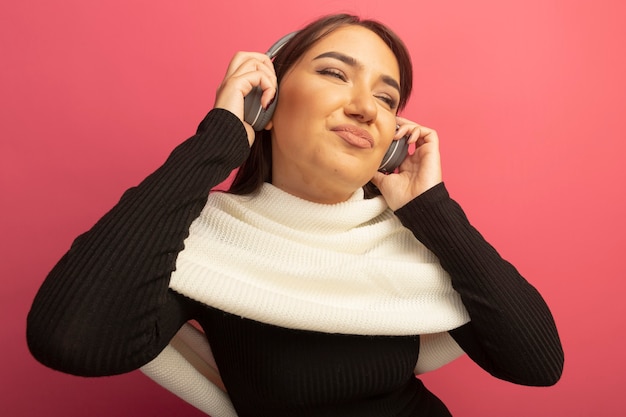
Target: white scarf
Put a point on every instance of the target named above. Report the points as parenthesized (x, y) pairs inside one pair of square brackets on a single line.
[(348, 268)]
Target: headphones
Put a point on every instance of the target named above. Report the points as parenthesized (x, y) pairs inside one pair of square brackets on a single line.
[(258, 117), (253, 112)]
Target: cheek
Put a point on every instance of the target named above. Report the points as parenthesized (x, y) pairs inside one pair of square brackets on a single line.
[(301, 109), (288, 110), (387, 133), (293, 91)]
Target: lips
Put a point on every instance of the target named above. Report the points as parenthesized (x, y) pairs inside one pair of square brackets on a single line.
[(354, 136)]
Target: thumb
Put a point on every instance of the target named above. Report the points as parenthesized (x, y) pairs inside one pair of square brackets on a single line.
[(378, 178)]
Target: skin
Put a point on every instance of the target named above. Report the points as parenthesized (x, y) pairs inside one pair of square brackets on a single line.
[(334, 120)]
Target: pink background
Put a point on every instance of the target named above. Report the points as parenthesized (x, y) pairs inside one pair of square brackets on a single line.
[(528, 97)]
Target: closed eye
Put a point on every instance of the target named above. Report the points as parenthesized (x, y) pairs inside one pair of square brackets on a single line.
[(333, 73), (391, 102)]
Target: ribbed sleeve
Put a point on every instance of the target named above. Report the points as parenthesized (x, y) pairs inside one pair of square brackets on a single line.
[(105, 307), (512, 333)]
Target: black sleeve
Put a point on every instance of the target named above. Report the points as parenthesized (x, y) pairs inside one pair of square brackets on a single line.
[(106, 308), (512, 334)]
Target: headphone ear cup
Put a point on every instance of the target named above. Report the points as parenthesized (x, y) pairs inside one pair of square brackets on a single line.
[(398, 150), (253, 112)]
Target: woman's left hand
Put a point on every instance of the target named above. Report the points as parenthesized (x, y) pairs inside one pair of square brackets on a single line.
[(418, 172)]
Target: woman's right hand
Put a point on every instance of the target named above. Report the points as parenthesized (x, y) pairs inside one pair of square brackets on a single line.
[(246, 71)]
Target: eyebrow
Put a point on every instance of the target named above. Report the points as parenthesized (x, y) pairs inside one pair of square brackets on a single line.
[(348, 60)]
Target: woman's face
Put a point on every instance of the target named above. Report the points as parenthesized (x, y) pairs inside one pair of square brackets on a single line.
[(335, 116)]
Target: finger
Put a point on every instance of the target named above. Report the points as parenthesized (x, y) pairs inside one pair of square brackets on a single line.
[(243, 84), (231, 94), (253, 67), (253, 64), (405, 127), (427, 135), (246, 77), (411, 130), (269, 91), (252, 73), (418, 134), (241, 57)]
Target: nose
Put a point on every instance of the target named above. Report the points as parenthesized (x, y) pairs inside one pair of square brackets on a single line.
[(362, 105)]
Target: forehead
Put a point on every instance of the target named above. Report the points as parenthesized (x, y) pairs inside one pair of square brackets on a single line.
[(360, 43)]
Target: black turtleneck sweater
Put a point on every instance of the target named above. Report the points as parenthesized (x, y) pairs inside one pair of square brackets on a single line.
[(106, 307)]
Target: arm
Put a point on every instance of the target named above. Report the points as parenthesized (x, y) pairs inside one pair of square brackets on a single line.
[(512, 334), (105, 308), (186, 367)]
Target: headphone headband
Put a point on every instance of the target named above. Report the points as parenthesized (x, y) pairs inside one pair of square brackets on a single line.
[(279, 44)]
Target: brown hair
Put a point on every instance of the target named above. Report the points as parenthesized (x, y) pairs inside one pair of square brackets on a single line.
[(257, 169)]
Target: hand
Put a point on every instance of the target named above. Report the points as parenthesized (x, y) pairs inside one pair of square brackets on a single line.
[(418, 172), (246, 71)]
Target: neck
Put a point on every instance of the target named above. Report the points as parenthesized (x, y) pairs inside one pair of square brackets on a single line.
[(314, 191)]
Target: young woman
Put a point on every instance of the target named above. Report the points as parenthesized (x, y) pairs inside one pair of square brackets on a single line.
[(322, 285)]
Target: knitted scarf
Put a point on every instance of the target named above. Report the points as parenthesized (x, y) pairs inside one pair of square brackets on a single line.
[(348, 268)]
